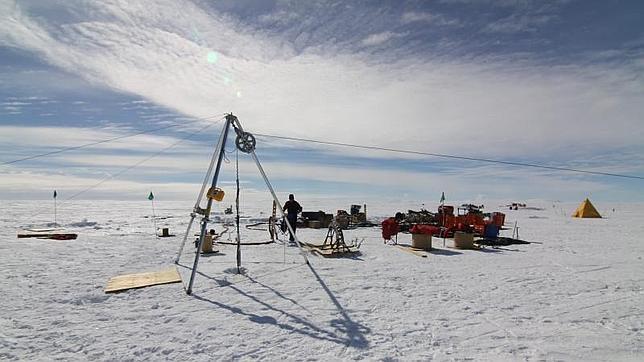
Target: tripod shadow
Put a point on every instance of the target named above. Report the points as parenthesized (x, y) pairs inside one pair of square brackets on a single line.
[(278, 293), (355, 332), (343, 330), (352, 256)]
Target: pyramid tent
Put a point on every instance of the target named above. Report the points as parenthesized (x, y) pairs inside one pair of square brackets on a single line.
[(586, 209)]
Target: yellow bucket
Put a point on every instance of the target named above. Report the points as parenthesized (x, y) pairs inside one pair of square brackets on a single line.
[(215, 193), (206, 246)]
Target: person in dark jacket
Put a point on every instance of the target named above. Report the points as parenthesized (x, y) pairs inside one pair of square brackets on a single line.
[(292, 208)]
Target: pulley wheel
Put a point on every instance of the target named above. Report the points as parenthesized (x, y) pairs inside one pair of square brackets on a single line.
[(245, 142)]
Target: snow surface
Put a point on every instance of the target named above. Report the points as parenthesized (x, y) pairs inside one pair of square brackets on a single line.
[(575, 295)]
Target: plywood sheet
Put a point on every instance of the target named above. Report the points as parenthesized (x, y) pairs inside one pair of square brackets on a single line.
[(141, 280)]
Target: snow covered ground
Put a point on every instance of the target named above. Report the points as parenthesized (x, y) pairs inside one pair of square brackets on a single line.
[(577, 294)]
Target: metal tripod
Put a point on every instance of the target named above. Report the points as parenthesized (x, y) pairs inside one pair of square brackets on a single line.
[(245, 142)]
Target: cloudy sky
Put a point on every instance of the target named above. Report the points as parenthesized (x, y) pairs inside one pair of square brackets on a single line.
[(558, 83)]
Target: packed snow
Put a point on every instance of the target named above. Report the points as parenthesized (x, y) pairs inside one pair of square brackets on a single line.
[(574, 294)]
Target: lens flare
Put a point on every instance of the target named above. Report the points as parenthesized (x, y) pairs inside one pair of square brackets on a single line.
[(212, 57)]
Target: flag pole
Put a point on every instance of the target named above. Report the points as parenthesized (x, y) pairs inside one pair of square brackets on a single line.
[(55, 215), (154, 218), (443, 211)]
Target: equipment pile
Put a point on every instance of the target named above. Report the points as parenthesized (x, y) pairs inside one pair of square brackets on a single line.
[(468, 220)]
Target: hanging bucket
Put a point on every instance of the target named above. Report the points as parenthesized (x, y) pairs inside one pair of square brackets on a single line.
[(215, 193)]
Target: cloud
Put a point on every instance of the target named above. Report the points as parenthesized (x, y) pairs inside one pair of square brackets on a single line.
[(527, 107), (426, 17), (407, 100), (185, 159), (15, 103), (517, 23), (521, 4), (377, 39), (39, 139), (177, 171), (281, 17), (22, 185), (497, 107), (458, 182)]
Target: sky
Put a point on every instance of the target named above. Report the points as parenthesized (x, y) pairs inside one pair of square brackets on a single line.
[(558, 83)]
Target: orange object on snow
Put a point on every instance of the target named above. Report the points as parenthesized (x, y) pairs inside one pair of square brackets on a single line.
[(390, 228)]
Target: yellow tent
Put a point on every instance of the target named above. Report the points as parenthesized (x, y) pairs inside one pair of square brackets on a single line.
[(586, 209)]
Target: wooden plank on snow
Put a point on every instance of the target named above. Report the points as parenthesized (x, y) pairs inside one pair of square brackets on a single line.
[(418, 252), (141, 280)]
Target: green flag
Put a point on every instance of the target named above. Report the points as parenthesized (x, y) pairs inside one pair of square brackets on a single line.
[(150, 196), (442, 197)]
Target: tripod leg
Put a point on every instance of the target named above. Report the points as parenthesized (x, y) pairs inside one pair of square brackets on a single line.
[(185, 237)]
